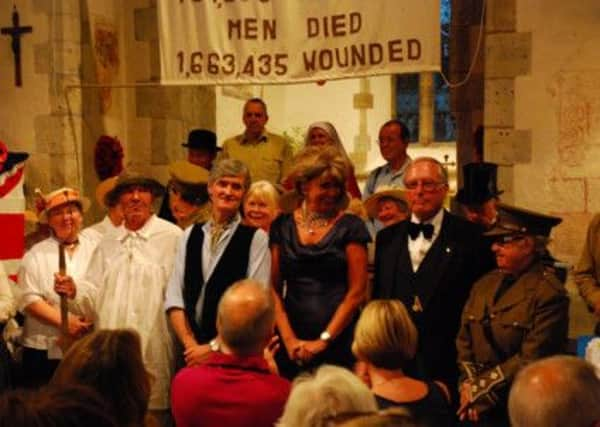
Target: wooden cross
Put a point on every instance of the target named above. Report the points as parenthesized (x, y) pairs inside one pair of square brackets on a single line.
[(16, 33)]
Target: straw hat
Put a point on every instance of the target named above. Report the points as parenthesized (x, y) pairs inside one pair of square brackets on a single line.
[(383, 192), (57, 198)]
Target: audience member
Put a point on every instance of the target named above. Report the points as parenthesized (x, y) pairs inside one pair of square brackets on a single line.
[(210, 258), (130, 270), (188, 193), (587, 270), (555, 392), (330, 395), (266, 154), (242, 390), (72, 405), (385, 340), (319, 253), (393, 142), (114, 215), (42, 282), (201, 148), (261, 205), (514, 315), (111, 362), (430, 263)]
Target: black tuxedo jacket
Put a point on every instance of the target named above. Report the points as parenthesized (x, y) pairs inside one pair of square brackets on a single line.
[(441, 286)]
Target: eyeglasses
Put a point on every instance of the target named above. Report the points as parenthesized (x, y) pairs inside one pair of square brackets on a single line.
[(428, 186)]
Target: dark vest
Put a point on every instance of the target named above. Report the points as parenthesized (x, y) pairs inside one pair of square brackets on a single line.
[(232, 266)]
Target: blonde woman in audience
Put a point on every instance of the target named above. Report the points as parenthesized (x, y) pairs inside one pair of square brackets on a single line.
[(261, 205), (110, 361), (319, 256), (329, 396), (385, 339)]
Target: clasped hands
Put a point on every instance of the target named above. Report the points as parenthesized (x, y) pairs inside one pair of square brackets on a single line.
[(302, 352), (77, 325)]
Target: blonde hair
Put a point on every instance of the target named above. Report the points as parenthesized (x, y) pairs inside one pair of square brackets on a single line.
[(313, 162), (385, 335), (330, 391), (264, 191)]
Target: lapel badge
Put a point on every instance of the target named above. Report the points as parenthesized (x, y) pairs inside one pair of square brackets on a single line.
[(417, 307)]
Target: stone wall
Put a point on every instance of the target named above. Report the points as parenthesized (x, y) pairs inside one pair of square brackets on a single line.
[(541, 110)]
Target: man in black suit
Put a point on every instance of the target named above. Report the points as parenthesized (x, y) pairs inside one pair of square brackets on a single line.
[(430, 263)]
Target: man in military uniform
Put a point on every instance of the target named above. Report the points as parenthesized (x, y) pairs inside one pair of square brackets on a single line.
[(188, 193), (515, 314)]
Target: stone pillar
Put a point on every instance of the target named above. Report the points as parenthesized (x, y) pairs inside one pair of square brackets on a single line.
[(363, 101), (426, 98)]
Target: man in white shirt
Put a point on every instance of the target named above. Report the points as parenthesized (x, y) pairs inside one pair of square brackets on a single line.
[(130, 270), (211, 257)]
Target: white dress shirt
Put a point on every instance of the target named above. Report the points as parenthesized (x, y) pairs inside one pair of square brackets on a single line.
[(419, 247)]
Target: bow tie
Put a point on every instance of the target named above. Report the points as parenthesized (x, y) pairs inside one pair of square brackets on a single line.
[(414, 229)]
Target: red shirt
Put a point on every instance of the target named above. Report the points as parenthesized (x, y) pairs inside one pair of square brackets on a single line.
[(229, 391)]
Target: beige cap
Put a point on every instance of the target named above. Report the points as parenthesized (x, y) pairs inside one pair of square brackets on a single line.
[(380, 193), (58, 198)]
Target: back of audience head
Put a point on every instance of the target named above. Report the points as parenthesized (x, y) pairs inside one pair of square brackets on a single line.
[(327, 397), (556, 391), (111, 362), (70, 405), (385, 336), (391, 417), (246, 318)]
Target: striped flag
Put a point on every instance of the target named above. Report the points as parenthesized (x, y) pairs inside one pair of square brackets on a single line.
[(12, 208)]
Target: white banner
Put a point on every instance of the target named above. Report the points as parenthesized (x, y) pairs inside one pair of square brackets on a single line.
[(276, 41)]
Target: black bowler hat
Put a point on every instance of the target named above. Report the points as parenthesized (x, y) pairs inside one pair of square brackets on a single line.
[(202, 139), (514, 220), (479, 183)]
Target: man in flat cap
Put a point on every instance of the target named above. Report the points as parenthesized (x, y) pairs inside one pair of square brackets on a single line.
[(202, 147), (266, 154), (188, 193), (515, 314), (130, 270)]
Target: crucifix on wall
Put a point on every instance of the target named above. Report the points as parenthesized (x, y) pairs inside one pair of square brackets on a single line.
[(16, 32)]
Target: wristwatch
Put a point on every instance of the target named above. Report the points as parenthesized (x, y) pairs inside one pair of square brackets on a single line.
[(214, 346), (325, 336)]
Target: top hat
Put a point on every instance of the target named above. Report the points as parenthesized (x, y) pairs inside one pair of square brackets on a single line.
[(56, 198), (383, 192), (202, 139), (131, 178), (515, 220), (479, 183)]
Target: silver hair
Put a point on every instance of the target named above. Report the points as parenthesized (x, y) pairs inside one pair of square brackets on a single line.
[(318, 397), (554, 392), (229, 167), (442, 171)]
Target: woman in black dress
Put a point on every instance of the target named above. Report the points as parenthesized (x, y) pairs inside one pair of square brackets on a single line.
[(319, 266)]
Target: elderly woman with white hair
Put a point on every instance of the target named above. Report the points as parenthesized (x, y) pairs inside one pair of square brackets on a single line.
[(329, 396), (49, 269), (261, 205)]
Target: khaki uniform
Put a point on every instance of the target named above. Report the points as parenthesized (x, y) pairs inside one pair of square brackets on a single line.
[(587, 271), (496, 338), (202, 215)]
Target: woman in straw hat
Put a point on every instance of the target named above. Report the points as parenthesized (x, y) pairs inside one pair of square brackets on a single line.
[(43, 276)]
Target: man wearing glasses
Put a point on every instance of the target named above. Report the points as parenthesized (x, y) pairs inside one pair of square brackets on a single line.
[(430, 264), (393, 141)]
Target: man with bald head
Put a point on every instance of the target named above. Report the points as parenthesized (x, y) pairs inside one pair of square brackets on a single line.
[(234, 386), (556, 391)]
